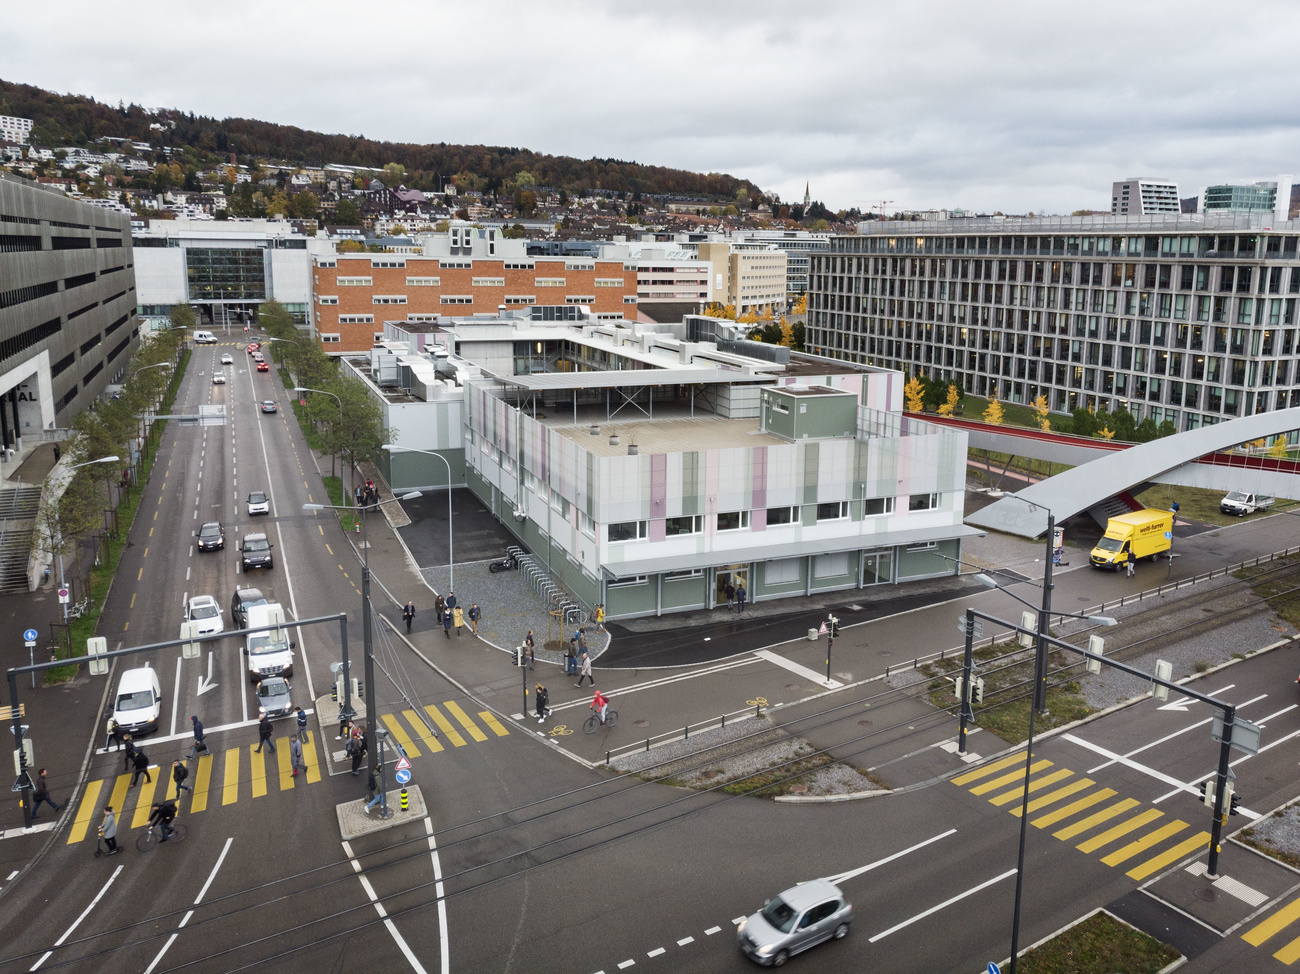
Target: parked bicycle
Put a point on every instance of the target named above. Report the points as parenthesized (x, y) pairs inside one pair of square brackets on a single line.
[(592, 722), (79, 609), (153, 835)]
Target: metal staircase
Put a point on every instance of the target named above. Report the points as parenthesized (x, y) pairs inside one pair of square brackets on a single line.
[(18, 508)]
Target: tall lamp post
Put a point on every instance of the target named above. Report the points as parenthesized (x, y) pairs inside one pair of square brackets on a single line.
[(1040, 651), (340, 402), (451, 562), (77, 466), (367, 637), (144, 420)]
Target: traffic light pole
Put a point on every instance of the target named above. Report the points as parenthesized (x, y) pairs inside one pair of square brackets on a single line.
[(965, 713), (1221, 786)]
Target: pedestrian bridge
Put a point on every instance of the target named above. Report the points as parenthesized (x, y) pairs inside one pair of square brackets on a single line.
[(1106, 469)]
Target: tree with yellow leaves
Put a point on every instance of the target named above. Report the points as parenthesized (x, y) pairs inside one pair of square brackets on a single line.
[(801, 306), (1041, 413), (1106, 433), (1277, 449), (993, 413), (718, 310), (950, 406), (914, 394)]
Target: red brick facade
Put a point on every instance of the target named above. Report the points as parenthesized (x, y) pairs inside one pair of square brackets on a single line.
[(361, 285)]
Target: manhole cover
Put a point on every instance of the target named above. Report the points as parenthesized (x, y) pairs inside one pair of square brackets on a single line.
[(641, 723), (792, 686), (864, 723), (1206, 893)]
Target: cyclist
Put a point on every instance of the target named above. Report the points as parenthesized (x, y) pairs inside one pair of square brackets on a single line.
[(162, 815), (600, 703)]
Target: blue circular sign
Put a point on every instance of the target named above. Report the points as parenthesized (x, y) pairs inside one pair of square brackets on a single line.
[(30, 636), (403, 777)]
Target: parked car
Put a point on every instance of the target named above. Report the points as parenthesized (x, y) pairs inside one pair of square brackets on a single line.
[(273, 697), (244, 599), (138, 703), (1242, 503), (797, 919), (256, 552), (212, 537), (262, 366), (258, 504), (268, 406), (227, 358), (204, 610), (219, 379)]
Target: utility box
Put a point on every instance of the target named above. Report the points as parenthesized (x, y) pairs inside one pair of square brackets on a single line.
[(802, 412)]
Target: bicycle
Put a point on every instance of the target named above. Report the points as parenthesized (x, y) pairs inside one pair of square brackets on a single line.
[(592, 722), (149, 838), (81, 608)]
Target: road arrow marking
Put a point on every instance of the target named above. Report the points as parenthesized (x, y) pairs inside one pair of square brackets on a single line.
[(205, 682), (1179, 705)]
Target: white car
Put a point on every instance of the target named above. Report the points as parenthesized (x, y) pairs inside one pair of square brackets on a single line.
[(227, 359), (258, 504), (219, 379), (204, 610)]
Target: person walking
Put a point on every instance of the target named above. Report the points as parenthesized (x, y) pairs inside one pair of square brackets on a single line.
[(571, 656), (128, 742), (301, 716), (345, 726), (599, 617), (112, 734), (740, 598), (1130, 563), (141, 765), (729, 591), (530, 649), (451, 600), (200, 746), (108, 830), (542, 697), (264, 732), (474, 615), (584, 673), (357, 751), (582, 640), (179, 774), (372, 789), (439, 608), (408, 614), (458, 614), (42, 794), (446, 624), (295, 756)]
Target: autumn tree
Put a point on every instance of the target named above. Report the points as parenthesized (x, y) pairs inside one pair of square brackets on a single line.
[(801, 305), (914, 394), (1041, 414), (950, 405), (1277, 449), (1106, 433), (993, 412)]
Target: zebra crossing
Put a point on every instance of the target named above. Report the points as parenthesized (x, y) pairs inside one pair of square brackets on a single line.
[(1077, 808), (1273, 925)]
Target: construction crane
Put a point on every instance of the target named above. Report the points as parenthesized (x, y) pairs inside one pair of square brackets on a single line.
[(881, 205)]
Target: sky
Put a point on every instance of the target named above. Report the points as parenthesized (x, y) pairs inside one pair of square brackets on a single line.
[(1012, 106)]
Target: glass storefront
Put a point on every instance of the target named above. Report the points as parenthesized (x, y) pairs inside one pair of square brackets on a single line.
[(225, 273)]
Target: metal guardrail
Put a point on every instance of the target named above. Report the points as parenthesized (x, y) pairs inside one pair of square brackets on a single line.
[(684, 733)]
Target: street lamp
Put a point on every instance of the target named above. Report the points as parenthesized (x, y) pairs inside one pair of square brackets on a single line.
[(77, 466), (451, 562), (366, 636)]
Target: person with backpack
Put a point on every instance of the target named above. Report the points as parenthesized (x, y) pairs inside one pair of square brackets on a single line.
[(179, 774), (112, 734), (474, 615), (542, 698), (128, 743), (42, 794), (357, 750), (141, 765), (302, 724)]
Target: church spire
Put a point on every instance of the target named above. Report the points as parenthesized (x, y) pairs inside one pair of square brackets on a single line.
[(807, 198)]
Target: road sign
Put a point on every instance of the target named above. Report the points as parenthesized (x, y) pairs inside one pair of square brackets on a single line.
[(1245, 735), (977, 627), (403, 776), (1169, 535), (64, 596), (403, 764), (994, 969), (30, 635)]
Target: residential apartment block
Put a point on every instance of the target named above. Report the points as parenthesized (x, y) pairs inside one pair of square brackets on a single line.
[(1190, 319), (751, 276), (1144, 197), (14, 129)]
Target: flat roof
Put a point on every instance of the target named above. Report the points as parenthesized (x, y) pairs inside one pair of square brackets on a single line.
[(630, 378), (705, 431)]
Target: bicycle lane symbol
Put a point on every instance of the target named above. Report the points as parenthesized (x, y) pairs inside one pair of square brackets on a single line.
[(559, 730), (757, 702)]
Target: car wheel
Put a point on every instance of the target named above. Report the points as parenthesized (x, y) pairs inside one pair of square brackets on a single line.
[(781, 957), (841, 931)]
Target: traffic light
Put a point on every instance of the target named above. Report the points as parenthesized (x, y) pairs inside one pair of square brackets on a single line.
[(835, 627), (978, 684), (957, 688), (1232, 800), (1208, 788)]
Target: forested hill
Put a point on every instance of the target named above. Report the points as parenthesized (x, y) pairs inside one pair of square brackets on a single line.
[(79, 120)]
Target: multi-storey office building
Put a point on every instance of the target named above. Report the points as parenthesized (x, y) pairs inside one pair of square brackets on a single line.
[(67, 306), (799, 246), (1144, 197), (1190, 318), (1265, 196)]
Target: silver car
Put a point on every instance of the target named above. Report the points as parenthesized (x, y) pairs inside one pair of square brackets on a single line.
[(273, 697), (799, 918)]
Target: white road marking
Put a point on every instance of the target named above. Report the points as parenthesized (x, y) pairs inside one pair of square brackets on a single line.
[(176, 696), (738, 921), (1121, 759), (626, 964), (685, 940), (190, 913), (664, 681), (379, 908), (712, 930), (1170, 737), (797, 669), (442, 897), (944, 905), (77, 922), (656, 952), (844, 877)]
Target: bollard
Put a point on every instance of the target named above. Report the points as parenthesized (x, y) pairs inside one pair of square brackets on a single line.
[(724, 721), (686, 732), (647, 745), (607, 759), (358, 527), (406, 805)]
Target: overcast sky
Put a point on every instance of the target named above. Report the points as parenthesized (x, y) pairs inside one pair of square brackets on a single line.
[(1013, 106)]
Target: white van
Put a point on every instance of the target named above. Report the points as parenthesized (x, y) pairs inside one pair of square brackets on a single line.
[(138, 703), (268, 648), (204, 338)]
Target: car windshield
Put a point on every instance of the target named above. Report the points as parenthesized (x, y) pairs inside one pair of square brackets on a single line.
[(779, 915), (272, 688), (257, 498), (135, 701), (204, 612), (1235, 495), (265, 642), (1110, 544), (256, 544), (210, 531)]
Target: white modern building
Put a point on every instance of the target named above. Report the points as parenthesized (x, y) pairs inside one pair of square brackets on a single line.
[(14, 129), (1247, 196), (1143, 197)]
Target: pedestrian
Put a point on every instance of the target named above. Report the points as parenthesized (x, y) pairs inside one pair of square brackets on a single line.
[(108, 830), (599, 617), (302, 724), (458, 614), (542, 697), (1130, 563), (357, 751), (179, 774), (439, 607), (345, 725), (474, 615), (408, 614), (571, 656), (58, 453), (42, 794), (446, 624), (372, 789), (295, 756), (740, 598), (200, 746), (112, 734), (585, 672), (357, 492), (530, 649), (729, 591), (129, 757), (264, 732), (141, 765), (582, 640), (451, 600)]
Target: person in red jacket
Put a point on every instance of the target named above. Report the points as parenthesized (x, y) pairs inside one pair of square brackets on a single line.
[(600, 703)]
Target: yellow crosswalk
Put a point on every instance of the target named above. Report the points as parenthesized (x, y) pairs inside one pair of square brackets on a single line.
[(266, 771), (1080, 810)]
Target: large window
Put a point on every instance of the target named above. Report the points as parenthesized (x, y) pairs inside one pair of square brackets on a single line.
[(225, 273), (783, 571), (831, 566), (834, 511), (923, 502), (782, 515), (627, 531), (691, 524), (733, 520), (876, 506)]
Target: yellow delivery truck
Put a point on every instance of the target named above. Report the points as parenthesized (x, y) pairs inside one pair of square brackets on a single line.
[(1145, 533)]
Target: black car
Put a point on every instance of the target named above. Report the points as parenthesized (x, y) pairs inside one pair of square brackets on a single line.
[(211, 537), (257, 552), (245, 599)]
